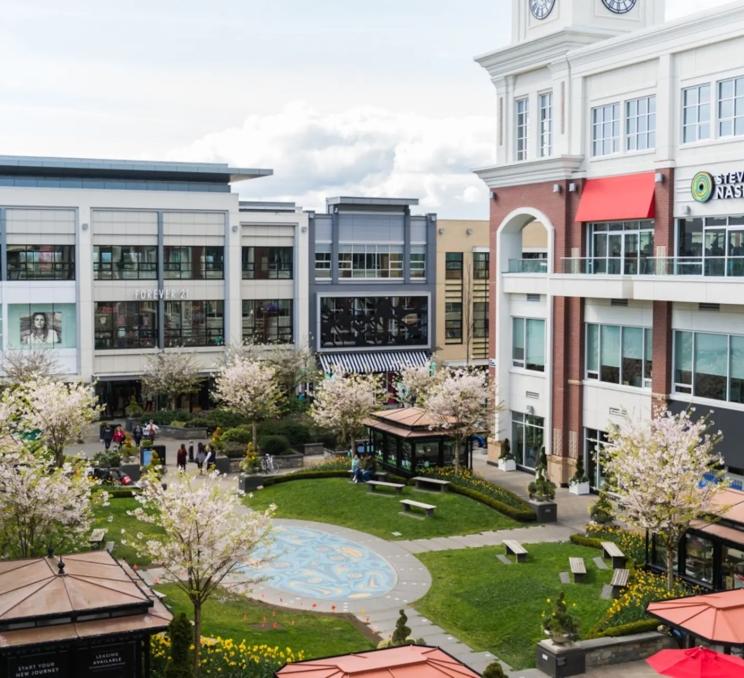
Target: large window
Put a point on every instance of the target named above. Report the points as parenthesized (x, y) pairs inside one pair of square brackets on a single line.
[(194, 263), (621, 247), (194, 323), (418, 262), (606, 129), (527, 439), (731, 107), (709, 365), (528, 343), (699, 558), (640, 124), (370, 261), (520, 114), (619, 355), (453, 265), (124, 262), (126, 324), (41, 262), (323, 261), (545, 102), (267, 321), (696, 113), (374, 321), (480, 320), (480, 265), (711, 246), (453, 322), (267, 263)]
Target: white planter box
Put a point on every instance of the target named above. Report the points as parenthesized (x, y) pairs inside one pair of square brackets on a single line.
[(579, 488), (507, 465)]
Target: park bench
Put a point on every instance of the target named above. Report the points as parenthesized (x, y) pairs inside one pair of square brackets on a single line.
[(422, 482), (374, 484), (619, 580), (578, 569), (612, 551), (408, 504), (379, 475), (97, 536), (514, 547)]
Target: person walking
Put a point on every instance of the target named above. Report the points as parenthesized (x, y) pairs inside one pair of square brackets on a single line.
[(107, 435), (356, 467), (201, 455), (137, 434), (181, 456), (151, 430), (118, 437), (209, 458)]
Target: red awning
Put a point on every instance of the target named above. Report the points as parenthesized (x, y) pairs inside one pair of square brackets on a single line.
[(630, 196)]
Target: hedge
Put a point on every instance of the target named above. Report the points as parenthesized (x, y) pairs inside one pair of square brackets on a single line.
[(640, 626), (582, 540), (526, 515)]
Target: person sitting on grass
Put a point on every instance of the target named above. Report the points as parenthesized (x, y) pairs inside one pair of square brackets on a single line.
[(356, 469)]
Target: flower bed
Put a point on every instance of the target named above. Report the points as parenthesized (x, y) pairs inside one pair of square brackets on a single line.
[(227, 658), (464, 482)]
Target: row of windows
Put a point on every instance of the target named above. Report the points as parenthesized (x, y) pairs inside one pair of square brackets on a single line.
[(370, 261), (545, 127), (619, 355), (453, 321), (453, 265), (728, 100), (639, 126)]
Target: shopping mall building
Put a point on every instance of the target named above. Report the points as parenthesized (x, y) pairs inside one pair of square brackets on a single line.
[(108, 262), (623, 137)]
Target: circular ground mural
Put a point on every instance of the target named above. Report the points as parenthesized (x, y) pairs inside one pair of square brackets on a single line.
[(323, 566)]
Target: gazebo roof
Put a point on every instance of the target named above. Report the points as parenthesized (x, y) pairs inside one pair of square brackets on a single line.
[(89, 594), (406, 422), (410, 661), (728, 504)]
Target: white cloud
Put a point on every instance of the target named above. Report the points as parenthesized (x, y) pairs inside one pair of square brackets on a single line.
[(358, 151)]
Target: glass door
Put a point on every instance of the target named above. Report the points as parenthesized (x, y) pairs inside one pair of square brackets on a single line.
[(614, 253)]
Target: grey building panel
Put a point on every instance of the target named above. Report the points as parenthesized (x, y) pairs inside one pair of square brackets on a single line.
[(347, 201)]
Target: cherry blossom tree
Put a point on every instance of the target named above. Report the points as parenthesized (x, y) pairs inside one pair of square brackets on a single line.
[(342, 403), (459, 403), (207, 534), (172, 374), (294, 366), (59, 411), (21, 366), (415, 384), (248, 388), (42, 506), (654, 470)]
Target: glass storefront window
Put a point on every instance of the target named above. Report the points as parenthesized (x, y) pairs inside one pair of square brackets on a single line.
[(268, 321), (115, 262), (41, 262), (594, 442), (267, 263), (699, 558), (193, 263), (527, 439), (732, 567), (427, 454), (126, 324), (194, 323)]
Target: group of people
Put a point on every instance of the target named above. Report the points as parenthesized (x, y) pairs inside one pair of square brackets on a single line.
[(204, 458), (115, 435), (362, 468)]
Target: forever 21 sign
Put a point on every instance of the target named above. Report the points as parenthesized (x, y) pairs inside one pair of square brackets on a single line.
[(158, 293)]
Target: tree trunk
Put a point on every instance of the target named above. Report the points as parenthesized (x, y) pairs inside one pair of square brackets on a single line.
[(670, 565), (59, 456), (197, 635), (457, 454), (254, 436), (351, 444)]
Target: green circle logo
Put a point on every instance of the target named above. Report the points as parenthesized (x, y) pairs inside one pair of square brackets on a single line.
[(702, 186)]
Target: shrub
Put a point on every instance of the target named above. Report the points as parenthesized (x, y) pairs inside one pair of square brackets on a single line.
[(601, 510), (640, 626), (560, 623), (401, 633), (239, 434), (107, 459), (541, 489), (177, 423), (166, 417), (120, 493), (274, 445), (180, 664), (581, 540), (134, 409), (494, 670)]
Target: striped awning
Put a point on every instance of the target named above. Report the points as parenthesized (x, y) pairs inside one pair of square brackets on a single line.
[(373, 361)]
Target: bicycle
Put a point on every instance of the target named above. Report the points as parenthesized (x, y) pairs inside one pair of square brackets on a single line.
[(267, 464)]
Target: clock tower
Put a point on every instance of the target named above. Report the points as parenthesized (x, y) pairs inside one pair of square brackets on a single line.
[(533, 19)]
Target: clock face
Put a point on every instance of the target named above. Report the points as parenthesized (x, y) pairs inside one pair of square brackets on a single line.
[(541, 8), (619, 6)]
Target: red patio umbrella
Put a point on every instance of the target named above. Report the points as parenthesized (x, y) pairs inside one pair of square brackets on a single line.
[(697, 662), (716, 617)]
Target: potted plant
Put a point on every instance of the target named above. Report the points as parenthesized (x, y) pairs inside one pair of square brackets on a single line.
[(559, 624), (506, 460), (250, 477), (542, 492), (579, 484)]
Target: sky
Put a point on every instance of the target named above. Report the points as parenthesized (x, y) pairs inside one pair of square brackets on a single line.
[(338, 98)]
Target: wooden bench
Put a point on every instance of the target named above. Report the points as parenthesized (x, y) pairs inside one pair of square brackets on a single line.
[(408, 504), (578, 569), (612, 551), (374, 484), (97, 536), (423, 481), (619, 580), (514, 547)]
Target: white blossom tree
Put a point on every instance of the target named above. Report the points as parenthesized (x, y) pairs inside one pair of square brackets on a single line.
[(171, 374), (342, 403), (415, 384), (60, 412), (207, 534), (654, 470), (42, 506), (22, 366), (294, 366), (459, 403), (248, 388)]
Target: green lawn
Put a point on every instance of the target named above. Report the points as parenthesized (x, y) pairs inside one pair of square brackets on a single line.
[(338, 501), (232, 616), (117, 510), (499, 608)]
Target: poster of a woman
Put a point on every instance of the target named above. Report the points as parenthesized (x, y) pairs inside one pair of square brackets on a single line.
[(41, 328)]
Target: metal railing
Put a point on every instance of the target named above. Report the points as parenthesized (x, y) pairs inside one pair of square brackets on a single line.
[(528, 266), (720, 266)]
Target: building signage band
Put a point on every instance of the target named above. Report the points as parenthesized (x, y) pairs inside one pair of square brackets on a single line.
[(155, 294), (724, 186)]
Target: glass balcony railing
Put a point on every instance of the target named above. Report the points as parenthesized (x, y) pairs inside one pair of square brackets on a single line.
[(732, 266), (528, 266)]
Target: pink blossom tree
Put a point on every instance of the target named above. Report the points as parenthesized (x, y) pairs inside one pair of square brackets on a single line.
[(207, 534), (343, 401), (654, 471), (415, 384), (459, 403), (42, 506), (248, 388)]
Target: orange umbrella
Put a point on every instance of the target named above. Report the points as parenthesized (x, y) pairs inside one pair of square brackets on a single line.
[(716, 617), (697, 662)]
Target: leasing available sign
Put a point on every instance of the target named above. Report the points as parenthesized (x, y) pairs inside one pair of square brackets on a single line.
[(724, 186)]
